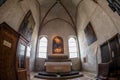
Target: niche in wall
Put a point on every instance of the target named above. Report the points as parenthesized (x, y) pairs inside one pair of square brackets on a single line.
[(90, 34), (58, 45)]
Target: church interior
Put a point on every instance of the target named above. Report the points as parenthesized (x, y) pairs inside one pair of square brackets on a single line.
[(59, 39)]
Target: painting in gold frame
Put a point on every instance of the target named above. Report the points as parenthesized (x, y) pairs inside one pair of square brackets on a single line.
[(90, 34), (27, 26)]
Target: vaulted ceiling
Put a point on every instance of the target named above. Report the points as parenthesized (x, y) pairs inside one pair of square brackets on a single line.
[(67, 2), (58, 9)]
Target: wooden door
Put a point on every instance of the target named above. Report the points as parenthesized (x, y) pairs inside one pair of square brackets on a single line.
[(115, 49), (8, 47), (114, 45), (105, 53)]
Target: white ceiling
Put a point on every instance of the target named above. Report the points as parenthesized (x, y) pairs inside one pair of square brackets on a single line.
[(68, 2), (58, 11)]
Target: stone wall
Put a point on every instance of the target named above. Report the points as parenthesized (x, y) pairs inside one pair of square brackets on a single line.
[(105, 23), (57, 23), (57, 28), (14, 11)]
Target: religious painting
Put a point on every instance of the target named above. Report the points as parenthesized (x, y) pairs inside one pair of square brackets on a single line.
[(90, 34), (58, 45), (114, 5), (2, 2), (27, 26)]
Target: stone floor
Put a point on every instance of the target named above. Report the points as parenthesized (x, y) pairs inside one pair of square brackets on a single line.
[(87, 76)]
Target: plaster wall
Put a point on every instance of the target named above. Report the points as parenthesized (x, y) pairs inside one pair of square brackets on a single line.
[(105, 23), (13, 12), (57, 28)]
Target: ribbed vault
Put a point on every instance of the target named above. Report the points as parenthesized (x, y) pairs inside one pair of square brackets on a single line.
[(58, 9)]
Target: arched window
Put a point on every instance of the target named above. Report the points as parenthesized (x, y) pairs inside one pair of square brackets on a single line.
[(72, 48), (42, 51)]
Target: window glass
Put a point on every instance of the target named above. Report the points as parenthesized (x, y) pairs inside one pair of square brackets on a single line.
[(72, 47), (42, 47)]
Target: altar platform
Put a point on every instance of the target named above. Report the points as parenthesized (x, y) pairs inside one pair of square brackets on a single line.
[(66, 75)]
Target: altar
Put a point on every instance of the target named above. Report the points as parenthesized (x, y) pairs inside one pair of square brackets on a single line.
[(58, 66)]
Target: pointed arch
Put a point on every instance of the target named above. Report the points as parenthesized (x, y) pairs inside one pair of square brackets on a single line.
[(42, 48), (59, 19), (59, 2), (72, 47)]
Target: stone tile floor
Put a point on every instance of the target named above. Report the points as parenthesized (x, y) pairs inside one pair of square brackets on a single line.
[(87, 76)]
